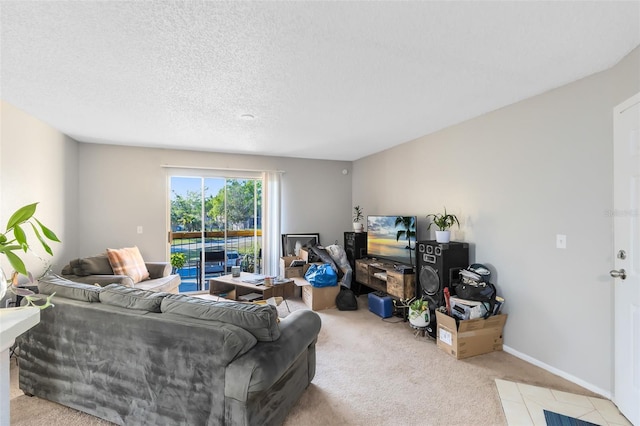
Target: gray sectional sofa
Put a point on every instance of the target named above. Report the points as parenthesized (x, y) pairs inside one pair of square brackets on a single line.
[(135, 357), (97, 270)]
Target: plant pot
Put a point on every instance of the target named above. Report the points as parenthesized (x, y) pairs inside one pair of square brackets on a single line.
[(358, 227), (419, 319), (443, 236)]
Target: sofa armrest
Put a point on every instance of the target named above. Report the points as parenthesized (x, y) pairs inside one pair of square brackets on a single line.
[(266, 362), (158, 269)]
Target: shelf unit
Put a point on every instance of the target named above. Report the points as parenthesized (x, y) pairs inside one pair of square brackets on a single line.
[(396, 284)]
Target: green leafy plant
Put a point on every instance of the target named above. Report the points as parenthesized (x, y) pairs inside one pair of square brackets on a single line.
[(357, 214), (419, 305), (178, 260), (13, 241), (443, 221)]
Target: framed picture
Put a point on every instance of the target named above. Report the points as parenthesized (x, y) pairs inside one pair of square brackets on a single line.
[(292, 243)]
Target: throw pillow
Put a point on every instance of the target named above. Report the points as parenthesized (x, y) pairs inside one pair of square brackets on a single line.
[(128, 261), (85, 266), (96, 265)]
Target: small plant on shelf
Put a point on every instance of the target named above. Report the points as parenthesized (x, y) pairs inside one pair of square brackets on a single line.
[(357, 219), (357, 214), (443, 221)]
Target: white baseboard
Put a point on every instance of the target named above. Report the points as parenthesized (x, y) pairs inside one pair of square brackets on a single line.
[(564, 375)]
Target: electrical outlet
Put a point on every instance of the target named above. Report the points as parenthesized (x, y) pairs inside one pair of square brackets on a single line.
[(561, 241)]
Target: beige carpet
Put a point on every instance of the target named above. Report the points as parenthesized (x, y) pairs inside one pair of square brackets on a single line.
[(370, 372)]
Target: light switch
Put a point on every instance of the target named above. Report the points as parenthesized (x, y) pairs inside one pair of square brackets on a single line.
[(139, 229), (561, 241)]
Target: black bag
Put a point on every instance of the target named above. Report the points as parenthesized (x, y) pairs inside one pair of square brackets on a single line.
[(480, 292), (346, 300)]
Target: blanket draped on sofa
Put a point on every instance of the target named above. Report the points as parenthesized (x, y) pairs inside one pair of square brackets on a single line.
[(135, 357)]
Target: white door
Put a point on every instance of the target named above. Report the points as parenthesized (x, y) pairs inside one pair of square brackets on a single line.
[(626, 214)]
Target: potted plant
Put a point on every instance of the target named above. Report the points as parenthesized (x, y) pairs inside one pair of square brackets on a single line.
[(443, 221), (13, 240), (419, 313), (357, 218), (178, 260)]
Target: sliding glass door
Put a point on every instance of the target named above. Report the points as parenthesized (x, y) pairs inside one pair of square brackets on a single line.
[(215, 224)]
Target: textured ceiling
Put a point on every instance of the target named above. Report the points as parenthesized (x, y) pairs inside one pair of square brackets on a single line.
[(330, 80)]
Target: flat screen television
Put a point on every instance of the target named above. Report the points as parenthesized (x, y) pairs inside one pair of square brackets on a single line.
[(392, 238)]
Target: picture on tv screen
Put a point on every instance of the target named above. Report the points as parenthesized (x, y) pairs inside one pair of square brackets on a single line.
[(392, 238)]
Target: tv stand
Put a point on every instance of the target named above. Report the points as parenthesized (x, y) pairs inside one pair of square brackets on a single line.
[(381, 275)]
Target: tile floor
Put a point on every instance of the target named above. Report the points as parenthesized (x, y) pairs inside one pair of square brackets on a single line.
[(523, 405)]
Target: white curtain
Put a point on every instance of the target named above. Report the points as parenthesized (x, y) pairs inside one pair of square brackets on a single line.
[(271, 223)]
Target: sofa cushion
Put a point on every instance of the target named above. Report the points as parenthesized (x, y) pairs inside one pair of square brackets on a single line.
[(92, 265), (52, 283), (168, 284), (101, 280), (259, 320), (128, 261), (132, 298)]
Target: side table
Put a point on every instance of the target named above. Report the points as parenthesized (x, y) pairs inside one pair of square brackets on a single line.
[(249, 286), (13, 322)]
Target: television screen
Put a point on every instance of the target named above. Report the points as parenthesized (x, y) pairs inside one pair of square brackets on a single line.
[(392, 238)]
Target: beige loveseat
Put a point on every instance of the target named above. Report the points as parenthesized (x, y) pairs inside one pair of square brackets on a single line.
[(97, 270)]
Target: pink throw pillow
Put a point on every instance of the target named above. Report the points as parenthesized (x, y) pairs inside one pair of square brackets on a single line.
[(128, 261)]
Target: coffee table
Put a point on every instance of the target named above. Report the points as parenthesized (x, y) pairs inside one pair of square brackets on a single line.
[(249, 287)]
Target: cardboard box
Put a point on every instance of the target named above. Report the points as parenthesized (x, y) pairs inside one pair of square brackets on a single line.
[(470, 337), (304, 254), (317, 298), (287, 271)]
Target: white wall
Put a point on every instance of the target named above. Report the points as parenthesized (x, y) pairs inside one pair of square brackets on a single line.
[(516, 177), (125, 187), (38, 164)]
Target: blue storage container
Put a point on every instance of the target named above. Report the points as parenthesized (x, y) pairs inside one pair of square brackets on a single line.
[(380, 305)]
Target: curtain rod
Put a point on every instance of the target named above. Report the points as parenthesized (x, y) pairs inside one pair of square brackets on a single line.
[(225, 169)]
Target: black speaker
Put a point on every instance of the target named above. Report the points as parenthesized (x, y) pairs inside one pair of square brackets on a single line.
[(437, 266), (355, 246)]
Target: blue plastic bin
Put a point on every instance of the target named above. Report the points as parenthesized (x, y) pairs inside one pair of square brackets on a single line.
[(380, 305)]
